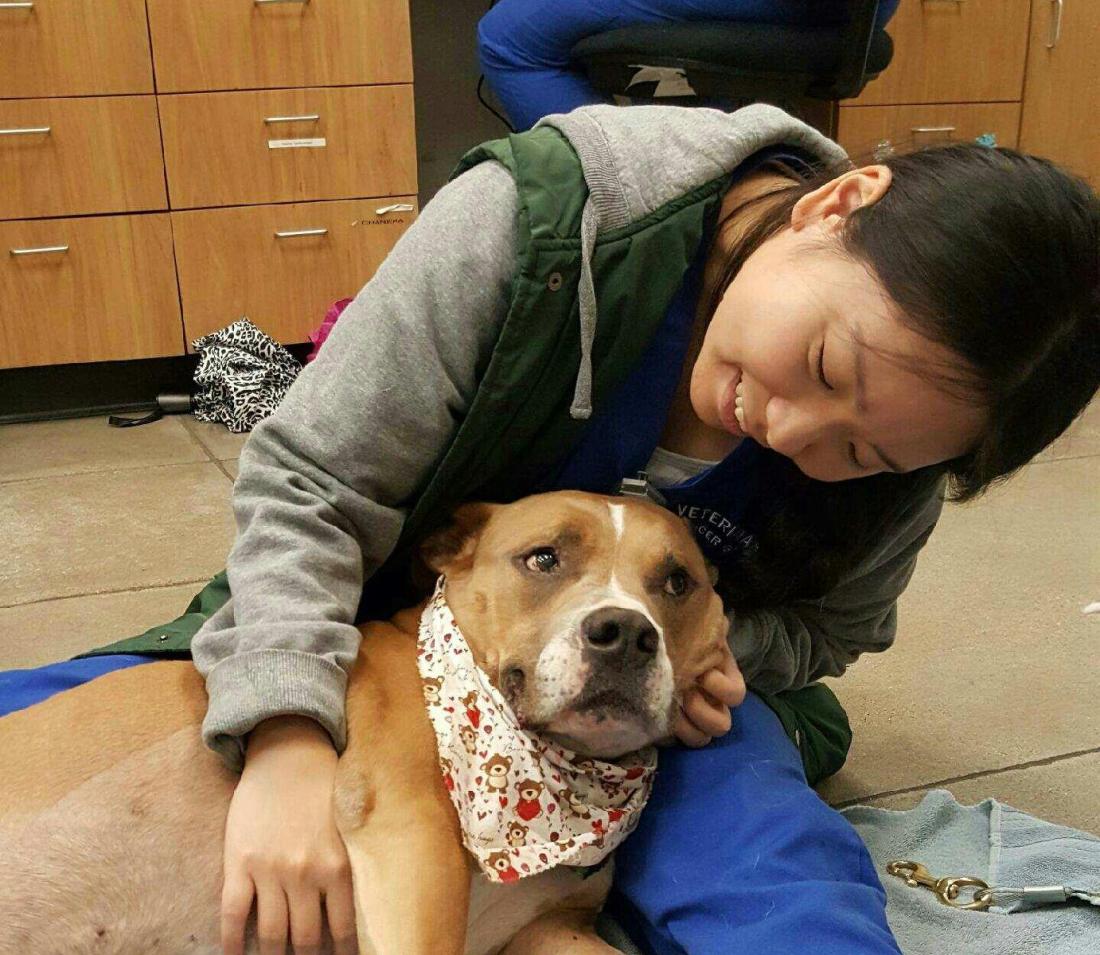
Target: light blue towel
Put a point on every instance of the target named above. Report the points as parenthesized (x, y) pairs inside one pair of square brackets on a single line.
[(1001, 846)]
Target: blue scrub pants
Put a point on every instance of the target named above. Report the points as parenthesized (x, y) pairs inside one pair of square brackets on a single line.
[(524, 44), (735, 853)]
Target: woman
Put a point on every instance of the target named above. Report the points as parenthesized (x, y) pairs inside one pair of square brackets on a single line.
[(799, 351), (524, 45)]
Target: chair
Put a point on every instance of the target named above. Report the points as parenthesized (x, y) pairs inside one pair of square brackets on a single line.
[(803, 69)]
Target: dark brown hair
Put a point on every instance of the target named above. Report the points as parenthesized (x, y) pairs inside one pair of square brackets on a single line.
[(994, 255)]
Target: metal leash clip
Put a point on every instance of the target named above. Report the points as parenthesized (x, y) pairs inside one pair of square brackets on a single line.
[(948, 890)]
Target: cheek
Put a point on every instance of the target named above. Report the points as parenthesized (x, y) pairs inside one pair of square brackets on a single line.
[(822, 464), (717, 357), (722, 341)]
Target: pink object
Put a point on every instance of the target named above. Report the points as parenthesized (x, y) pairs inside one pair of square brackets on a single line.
[(318, 337)]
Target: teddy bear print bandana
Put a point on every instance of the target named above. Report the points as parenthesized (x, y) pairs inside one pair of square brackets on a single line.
[(525, 804)]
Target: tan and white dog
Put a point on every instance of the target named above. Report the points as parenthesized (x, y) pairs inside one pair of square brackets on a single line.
[(112, 811)]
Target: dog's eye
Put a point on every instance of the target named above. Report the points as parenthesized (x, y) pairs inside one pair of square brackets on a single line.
[(544, 560), (676, 584)]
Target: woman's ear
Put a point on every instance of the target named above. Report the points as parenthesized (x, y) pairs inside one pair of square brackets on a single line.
[(833, 202), (450, 549)]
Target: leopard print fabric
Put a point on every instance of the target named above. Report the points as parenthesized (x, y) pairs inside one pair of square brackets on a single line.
[(242, 376)]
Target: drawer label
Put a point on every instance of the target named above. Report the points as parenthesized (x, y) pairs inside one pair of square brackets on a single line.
[(293, 143)]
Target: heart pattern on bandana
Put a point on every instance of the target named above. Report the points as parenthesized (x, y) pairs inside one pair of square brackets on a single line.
[(526, 805)]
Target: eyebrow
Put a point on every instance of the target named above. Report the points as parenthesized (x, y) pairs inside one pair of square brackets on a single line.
[(856, 339)]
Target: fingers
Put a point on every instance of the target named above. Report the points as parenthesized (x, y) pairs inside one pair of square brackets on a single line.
[(271, 918), (710, 717), (688, 733), (237, 895), (305, 919), (725, 685), (340, 906), (301, 911)]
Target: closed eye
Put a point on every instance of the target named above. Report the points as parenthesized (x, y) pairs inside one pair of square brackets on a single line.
[(821, 368)]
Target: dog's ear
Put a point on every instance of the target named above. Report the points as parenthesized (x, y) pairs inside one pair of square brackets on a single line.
[(451, 548)]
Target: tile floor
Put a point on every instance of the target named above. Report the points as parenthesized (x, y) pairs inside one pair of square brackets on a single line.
[(992, 688)]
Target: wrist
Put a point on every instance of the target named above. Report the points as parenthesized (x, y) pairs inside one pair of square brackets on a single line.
[(288, 731)]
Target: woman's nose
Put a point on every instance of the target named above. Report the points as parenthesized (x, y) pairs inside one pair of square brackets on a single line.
[(792, 426)]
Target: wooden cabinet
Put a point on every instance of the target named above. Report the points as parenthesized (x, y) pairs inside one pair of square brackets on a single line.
[(96, 288), (301, 257), (223, 149), (1063, 86), (957, 73), (864, 129), (255, 114), (253, 44), (74, 48), (953, 51), (81, 155), (1025, 71)]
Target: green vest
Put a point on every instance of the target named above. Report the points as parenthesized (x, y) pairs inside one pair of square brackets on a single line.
[(519, 426)]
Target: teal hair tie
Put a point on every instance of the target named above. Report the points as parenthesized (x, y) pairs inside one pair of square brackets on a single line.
[(987, 139)]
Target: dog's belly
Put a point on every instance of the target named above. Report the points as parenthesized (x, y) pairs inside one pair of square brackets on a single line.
[(128, 862)]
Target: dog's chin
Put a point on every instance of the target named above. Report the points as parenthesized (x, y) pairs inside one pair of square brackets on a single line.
[(606, 727)]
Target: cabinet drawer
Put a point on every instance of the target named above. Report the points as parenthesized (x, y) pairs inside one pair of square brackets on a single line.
[(112, 295), (101, 154), (217, 152), (250, 44), (947, 51), (1063, 87), (74, 48), (232, 263), (864, 128)]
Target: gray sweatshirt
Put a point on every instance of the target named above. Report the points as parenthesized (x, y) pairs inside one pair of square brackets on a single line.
[(325, 480)]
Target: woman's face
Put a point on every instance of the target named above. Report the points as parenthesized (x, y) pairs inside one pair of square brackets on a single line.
[(791, 355)]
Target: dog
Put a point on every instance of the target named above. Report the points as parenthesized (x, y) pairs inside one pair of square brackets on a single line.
[(590, 615)]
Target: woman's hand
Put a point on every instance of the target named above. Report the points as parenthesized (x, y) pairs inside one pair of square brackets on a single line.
[(282, 846), (705, 710)]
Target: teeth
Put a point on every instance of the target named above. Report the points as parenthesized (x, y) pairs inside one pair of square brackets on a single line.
[(739, 414), (738, 402), (739, 390)]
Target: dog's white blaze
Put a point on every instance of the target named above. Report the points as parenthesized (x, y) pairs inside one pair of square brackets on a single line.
[(618, 520)]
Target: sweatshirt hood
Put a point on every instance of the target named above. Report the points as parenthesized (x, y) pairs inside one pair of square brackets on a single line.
[(637, 158)]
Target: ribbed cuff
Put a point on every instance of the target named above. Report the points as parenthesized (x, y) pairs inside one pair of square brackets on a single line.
[(250, 687)]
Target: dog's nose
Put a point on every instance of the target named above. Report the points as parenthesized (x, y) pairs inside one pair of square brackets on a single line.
[(626, 633)]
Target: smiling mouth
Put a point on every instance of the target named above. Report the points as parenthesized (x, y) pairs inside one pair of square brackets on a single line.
[(726, 409)]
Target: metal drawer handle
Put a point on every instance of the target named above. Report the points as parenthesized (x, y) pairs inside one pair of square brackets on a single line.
[(26, 131), (1055, 25), (932, 129), (294, 232), (45, 248), (311, 118), (396, 207), (16, 6)]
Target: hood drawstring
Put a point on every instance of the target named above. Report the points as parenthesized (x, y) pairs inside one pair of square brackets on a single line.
[(581, 408)]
